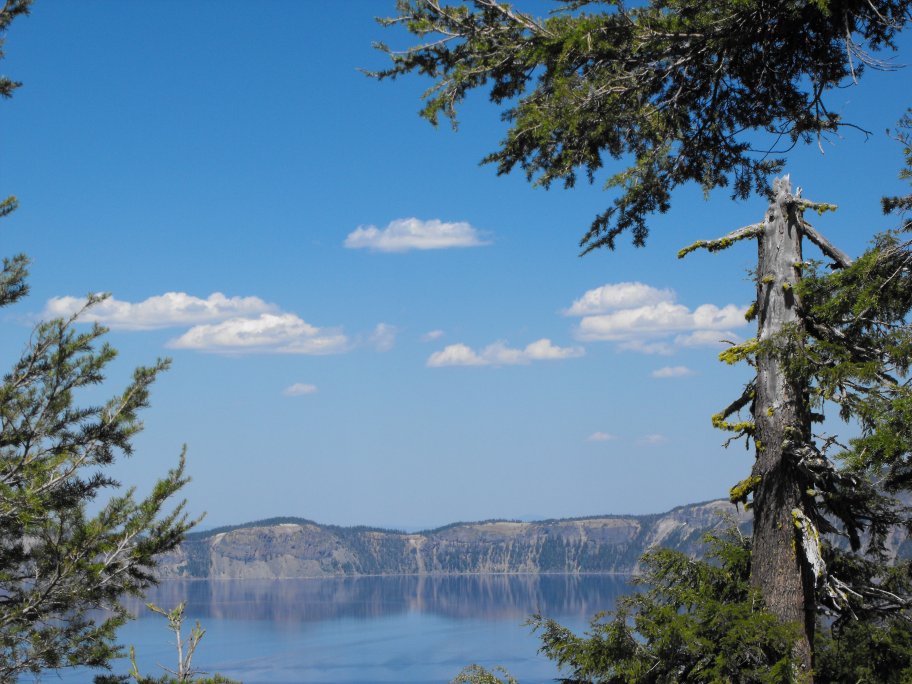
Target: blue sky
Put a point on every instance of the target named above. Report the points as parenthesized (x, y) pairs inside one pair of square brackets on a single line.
[(365, 325)]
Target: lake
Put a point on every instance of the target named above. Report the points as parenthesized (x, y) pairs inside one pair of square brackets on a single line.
[(367, 630)]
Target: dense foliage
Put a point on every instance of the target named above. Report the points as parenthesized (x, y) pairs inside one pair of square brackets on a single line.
[(695, 621)]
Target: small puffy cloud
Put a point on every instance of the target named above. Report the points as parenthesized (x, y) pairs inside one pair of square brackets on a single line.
[(652, 440), (672, 372), (499, 354), (600, 437), (455, 355), (641, 318), (616, 296), (161, 311), (383, 337), (268, 333), (299, 389), (432, 335), (406, 234)]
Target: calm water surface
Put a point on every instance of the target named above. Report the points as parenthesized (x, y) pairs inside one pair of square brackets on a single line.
[(408, 630)]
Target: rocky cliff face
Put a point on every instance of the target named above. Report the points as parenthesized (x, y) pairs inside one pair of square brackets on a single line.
[(290, 548)]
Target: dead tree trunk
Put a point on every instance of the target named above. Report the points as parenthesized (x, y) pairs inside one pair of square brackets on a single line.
[(786, 565), (779, 570)]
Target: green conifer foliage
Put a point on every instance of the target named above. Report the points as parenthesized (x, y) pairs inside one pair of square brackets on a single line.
[(677, 90), (694, 621), (59, 563)]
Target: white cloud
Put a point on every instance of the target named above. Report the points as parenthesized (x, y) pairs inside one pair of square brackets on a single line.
[(672, 372), (161, 311), (432, 335), (231, 325), (618, 296), (298, 389), (499, 354), (405, 234), (268, 333), (659, 319), (455, 355), (652, 440), (383, 337), (648, 320), (600, 437)]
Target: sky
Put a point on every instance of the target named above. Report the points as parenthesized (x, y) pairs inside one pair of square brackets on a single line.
[(367, 326)]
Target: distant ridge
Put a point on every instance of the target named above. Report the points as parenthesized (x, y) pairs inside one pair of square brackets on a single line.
[(290, 547), (291, 519)]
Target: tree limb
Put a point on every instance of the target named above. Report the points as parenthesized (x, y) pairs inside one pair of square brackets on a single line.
[(724, 242), (841, 258)]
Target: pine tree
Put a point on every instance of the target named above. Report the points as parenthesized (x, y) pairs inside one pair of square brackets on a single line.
[(689, 89), (60, 564)]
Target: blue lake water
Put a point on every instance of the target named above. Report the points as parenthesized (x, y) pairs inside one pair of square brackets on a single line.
[(368, 630)]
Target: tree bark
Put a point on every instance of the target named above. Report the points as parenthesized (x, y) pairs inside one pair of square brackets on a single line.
[(781, 417)]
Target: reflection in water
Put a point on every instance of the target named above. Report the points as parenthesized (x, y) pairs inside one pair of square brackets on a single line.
[(494, 597), (367, 630)]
